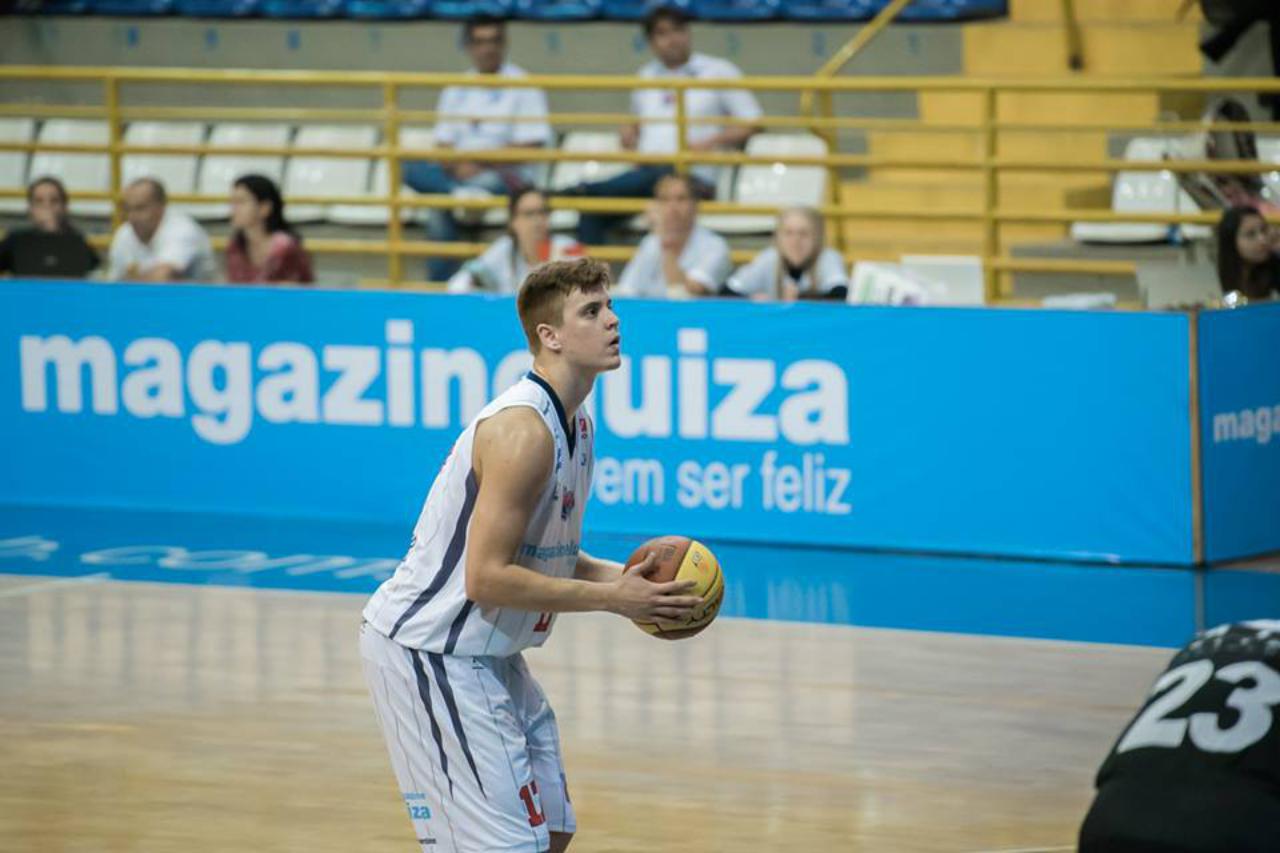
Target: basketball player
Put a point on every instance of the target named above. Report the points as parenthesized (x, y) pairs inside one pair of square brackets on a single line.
[(1199, 767), (494, 559)]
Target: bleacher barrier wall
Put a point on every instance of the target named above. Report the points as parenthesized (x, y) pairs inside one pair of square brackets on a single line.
[(1062, 435), (1240, 422)]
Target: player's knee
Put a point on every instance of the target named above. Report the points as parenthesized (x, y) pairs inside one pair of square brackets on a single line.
[(560, 841)]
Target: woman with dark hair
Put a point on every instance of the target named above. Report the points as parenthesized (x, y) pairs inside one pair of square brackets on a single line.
[(49, 247), (797, 266), (1247, 263), (527, 243), (264, 248)]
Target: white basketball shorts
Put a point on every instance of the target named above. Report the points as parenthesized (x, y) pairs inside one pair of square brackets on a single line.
[(474, 746)]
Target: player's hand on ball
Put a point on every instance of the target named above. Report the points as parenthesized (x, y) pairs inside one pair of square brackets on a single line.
[(637, 597)]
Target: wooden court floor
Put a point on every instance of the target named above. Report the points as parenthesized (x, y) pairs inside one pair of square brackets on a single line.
[(155, 717)]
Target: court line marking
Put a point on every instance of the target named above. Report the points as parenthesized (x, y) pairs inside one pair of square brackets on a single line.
[(31, 588), (1030, 849)]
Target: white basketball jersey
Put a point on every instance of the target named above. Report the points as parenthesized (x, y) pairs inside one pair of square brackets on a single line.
[(424, 605)]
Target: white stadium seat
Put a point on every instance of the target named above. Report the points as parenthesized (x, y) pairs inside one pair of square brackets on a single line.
[(778, 184), (363, 214), (1141, 192), (218, 171), (78, 172), (13, 164), (569, 173), (176, 171), (306, 175)]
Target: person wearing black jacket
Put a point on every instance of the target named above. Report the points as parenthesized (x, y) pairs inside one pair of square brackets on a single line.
[(49, 247)]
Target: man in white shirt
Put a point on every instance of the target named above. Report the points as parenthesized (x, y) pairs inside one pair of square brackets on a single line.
[(156, 243), (679, 258), (479, 118), (667, 31)]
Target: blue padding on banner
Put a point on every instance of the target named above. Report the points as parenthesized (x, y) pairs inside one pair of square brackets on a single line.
[(557, 10), (301, 8), (829, 10), (1237, 595), (463, 9), (131, 7), (1105, 604), (1026, 433), (634, 10), (735, 10), (217, 8), (1240, 430), (387, 9)]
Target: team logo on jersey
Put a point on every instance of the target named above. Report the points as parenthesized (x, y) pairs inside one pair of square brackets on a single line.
[(567, 503)]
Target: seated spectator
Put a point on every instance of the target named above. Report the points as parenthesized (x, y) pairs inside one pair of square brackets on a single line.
[(475, 118), (49, 246), (157, 243), (527, 243), (678, 258), (264, 248), (796, 266), (1247, 262), (667, 31)]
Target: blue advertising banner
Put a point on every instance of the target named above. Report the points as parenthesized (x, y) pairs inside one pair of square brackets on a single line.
[(1040, 434), (1240, 430)]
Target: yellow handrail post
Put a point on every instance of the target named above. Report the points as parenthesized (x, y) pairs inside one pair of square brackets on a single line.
[(854, 46), (111, 97), (682, 146), (395, 228), (990, 194)]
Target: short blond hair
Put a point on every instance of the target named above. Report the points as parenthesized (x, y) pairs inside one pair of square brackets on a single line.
[(546, 287)]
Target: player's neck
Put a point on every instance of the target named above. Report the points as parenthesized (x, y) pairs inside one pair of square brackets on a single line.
[(571, 386)]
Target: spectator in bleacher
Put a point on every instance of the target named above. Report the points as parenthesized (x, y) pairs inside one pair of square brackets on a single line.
[(477, 118), (797, 266), (157, 243), (264, 248), (527, 243), (1247, 261), (678, 258), (48, 247), (667, 30)]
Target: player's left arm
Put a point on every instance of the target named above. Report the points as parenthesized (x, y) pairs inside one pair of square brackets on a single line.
[(595, 569)]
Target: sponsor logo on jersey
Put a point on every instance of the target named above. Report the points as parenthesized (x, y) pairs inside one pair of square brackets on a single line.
[(567, 503)]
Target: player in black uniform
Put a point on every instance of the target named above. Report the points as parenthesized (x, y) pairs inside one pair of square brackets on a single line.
[(1199, 768)]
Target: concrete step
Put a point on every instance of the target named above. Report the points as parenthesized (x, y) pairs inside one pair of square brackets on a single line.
[(1140, 49), (1100, 11), (1059, 108)]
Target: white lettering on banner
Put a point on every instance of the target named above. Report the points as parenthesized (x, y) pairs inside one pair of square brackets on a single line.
[(227, 384), (155, 388), (807, 485), (69, 360), (31, 547), (177, 558), (1256, 425)]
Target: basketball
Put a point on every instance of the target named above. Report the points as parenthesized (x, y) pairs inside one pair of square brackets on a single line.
[(682, 558)]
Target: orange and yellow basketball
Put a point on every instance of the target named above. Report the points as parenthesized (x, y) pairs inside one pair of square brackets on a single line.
[(682, 558)]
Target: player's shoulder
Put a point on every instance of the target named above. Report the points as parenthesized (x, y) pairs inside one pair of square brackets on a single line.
[(518, 427), (702, 65)]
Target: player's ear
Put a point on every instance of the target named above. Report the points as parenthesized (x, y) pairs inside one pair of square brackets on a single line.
[(549, 337)]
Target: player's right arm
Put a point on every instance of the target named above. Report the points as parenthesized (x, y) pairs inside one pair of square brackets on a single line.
[(512, 459)]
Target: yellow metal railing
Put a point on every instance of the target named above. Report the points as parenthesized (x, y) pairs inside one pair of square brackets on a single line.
[(987, 126)]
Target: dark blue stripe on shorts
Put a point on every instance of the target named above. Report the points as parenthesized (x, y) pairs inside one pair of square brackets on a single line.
[(424, 690), (442, 681)]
